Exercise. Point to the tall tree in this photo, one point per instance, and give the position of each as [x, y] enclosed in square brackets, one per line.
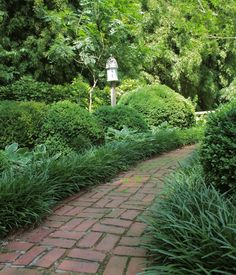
[191, 45]
[56, 40]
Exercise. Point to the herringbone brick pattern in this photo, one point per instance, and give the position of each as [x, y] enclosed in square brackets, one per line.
[97, 231]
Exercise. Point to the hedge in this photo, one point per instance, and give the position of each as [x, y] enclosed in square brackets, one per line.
[28, 89]
[218, 152]
[21, 122]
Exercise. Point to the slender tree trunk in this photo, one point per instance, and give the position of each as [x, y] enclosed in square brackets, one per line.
[91, 95]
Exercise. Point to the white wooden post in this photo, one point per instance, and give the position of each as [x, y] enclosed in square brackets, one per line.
[113, 94]
[112, 76]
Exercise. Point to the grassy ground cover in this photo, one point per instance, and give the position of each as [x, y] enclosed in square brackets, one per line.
[28, 192]
[191, 227]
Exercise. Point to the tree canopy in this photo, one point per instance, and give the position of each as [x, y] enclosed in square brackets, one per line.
[186, 45]
[192, 45]
[56, 40]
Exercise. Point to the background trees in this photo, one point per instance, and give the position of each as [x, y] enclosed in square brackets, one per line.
[56, 40]
[188, 46]
[192, 45]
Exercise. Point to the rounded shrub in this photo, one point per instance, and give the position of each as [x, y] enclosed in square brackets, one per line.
[21, 122]
[120, 116]
[218, 151]
[158, 104]
[69, 124]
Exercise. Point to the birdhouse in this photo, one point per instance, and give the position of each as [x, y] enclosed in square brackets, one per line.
[111, 67]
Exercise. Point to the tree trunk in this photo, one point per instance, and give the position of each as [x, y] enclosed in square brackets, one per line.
[91, 95]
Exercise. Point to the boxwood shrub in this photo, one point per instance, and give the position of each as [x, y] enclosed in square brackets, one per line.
[120, 116]
[218, 152]
[71, 125]
[158, 104]
[21, 122]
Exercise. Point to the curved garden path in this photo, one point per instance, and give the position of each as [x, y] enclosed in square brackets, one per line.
[94, 232]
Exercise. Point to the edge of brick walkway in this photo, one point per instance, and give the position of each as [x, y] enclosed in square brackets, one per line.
[96, 231]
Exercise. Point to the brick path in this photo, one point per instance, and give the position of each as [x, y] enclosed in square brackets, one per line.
[93, 232]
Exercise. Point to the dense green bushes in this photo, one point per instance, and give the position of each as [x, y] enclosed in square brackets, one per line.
[120, 116]
[158, 104]
[28, 89]
[63, 126]
[21, 122]
[69, 125]
[218, 152]
[192, 230]
[27, 194]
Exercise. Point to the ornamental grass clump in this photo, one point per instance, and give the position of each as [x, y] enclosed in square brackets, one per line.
[191, 228]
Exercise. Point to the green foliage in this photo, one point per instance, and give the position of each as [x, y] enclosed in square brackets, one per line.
[119, 116]
[121, 135]
[26, 196]
[191, 45]
[57, 144]
[128, 85]
[16, 159]
[228, 94]
[49, 42]
[53, 41]
[218, 152]
[27, 89]
[188, 46]
[67, 123]
[191, 227]
[21, 122]
[196, 132]
[158, 103]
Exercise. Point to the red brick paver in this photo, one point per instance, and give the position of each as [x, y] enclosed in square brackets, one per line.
[8, 257]
[50, 258]
[30, 255]
[116, 265]
[93, 232]
[90, 239]
[108, 242]
[136, 265]
[78, 266]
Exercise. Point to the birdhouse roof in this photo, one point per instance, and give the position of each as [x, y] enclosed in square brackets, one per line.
[111, 63]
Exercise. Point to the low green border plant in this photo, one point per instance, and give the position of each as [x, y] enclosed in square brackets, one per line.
[191, 227]
[27, 195]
